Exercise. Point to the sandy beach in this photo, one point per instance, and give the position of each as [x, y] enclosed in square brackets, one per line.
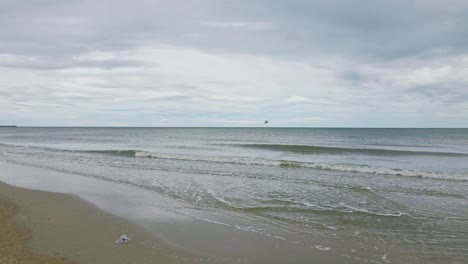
[76, 226]
[45, 227]
[15, 237]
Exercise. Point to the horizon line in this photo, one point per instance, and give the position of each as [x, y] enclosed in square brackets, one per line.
[318, 127]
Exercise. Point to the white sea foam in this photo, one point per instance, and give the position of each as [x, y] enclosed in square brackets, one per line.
[354, 209]
[298, 164]
[384, 258]
[323, 248]
[286, 164]
[312, 205]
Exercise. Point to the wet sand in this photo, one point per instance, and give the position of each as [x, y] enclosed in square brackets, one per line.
[83, 224]
[45, 227]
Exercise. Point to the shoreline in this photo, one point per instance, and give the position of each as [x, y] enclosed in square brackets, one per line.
[207, 194]
[163, 230]
[62, 228]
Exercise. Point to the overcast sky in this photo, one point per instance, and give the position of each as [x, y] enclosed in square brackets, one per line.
[395, 63]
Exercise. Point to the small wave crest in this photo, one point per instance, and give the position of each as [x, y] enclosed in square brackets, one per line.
[309, 149]
[287, 164]
[373, 170]
[126, 153]
[365, 211]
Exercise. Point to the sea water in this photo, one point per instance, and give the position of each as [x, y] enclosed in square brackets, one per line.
[396, 191]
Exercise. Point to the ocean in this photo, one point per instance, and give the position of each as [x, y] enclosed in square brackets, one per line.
[376, 195]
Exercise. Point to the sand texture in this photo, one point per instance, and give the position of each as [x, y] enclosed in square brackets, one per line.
[66, 229]
[14, 240]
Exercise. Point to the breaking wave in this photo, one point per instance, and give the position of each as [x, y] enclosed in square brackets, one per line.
[286, 164]
[307, 149]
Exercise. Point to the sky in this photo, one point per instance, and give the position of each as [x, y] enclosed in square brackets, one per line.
[296, 63]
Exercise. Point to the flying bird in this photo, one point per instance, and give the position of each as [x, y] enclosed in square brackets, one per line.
[266, 122]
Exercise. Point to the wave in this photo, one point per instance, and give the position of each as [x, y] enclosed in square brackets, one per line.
[342, 209]
[113, 152]
[308, 149]
[365, 211]
[290, 164]
[125, 153]
[286, 164]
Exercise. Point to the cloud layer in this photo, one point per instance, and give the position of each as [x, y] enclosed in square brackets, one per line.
[234, 63]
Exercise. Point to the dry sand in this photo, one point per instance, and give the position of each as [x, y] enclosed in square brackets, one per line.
[66, 229]
[14, 239]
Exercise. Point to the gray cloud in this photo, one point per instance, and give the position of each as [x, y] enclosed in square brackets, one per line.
[304, 62]
[47, 63]
[362, 29]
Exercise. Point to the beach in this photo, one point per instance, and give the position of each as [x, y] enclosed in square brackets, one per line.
[15, 237]
[68, 229]
[193, 195]
[46, 227]
[234, 132]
